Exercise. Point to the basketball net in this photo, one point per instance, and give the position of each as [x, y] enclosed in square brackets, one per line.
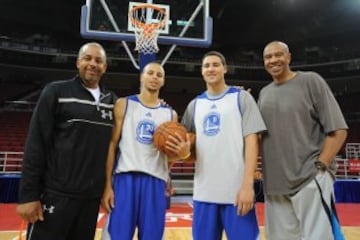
[146, 33]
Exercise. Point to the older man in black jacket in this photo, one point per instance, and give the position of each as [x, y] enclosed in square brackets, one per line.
[65, 153]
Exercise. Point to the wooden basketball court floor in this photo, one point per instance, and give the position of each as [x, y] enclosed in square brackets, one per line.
[178, 221]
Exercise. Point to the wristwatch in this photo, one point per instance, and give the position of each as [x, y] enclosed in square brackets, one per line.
[320, 165]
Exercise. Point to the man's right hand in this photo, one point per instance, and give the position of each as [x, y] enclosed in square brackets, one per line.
[31, 211]
[107, 200]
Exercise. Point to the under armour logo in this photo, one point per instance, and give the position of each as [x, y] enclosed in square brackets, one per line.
[105, 114]
[49, 209]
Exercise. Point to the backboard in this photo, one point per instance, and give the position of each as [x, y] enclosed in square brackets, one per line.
[188, 23]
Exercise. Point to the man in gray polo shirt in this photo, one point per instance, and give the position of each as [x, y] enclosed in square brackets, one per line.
[306, 129]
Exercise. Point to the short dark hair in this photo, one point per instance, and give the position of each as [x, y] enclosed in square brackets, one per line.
[83, 47]
[215, 53]
[153, 62]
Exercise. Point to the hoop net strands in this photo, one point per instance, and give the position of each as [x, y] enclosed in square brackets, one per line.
[147, 19]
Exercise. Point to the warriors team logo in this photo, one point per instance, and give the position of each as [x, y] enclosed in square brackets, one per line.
[211, 124]
[145, 131]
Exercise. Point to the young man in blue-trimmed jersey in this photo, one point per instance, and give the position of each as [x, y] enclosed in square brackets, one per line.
[64, 160]
[135, 189]
[226, 122]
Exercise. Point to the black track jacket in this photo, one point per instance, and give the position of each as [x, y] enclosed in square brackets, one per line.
[67, 143]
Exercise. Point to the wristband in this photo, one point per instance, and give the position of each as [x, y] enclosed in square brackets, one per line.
[186, 156]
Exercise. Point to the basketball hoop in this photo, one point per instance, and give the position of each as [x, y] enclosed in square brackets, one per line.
[147, 19]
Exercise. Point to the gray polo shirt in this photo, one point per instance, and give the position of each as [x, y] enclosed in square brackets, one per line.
[298, 114]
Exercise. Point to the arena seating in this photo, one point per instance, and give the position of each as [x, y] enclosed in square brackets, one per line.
[14, 90]
[14, 127]
[13, 131]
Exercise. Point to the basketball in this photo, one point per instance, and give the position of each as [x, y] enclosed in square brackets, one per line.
[162, 133]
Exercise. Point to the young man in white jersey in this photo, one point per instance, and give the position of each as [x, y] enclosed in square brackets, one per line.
[226, 122]
[306, 129]
[135, 188]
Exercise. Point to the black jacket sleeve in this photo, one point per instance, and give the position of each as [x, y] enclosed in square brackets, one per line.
[38, 146]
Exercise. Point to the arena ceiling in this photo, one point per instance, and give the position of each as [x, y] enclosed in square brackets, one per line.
[241, 27]
[248, 22]
[237, 23]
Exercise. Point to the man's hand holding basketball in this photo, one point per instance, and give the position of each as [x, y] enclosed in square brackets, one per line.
[179, 146]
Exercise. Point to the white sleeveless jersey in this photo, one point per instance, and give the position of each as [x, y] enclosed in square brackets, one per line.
[137, 150]
[219, 148]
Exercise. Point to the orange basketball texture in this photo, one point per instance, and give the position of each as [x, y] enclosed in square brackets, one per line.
[162, 133]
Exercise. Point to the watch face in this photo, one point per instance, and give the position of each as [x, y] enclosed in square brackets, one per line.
[320, 165]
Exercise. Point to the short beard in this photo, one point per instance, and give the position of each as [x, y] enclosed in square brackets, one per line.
[152, 90]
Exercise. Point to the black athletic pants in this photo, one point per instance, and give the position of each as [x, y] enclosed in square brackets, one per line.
[65, 219]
